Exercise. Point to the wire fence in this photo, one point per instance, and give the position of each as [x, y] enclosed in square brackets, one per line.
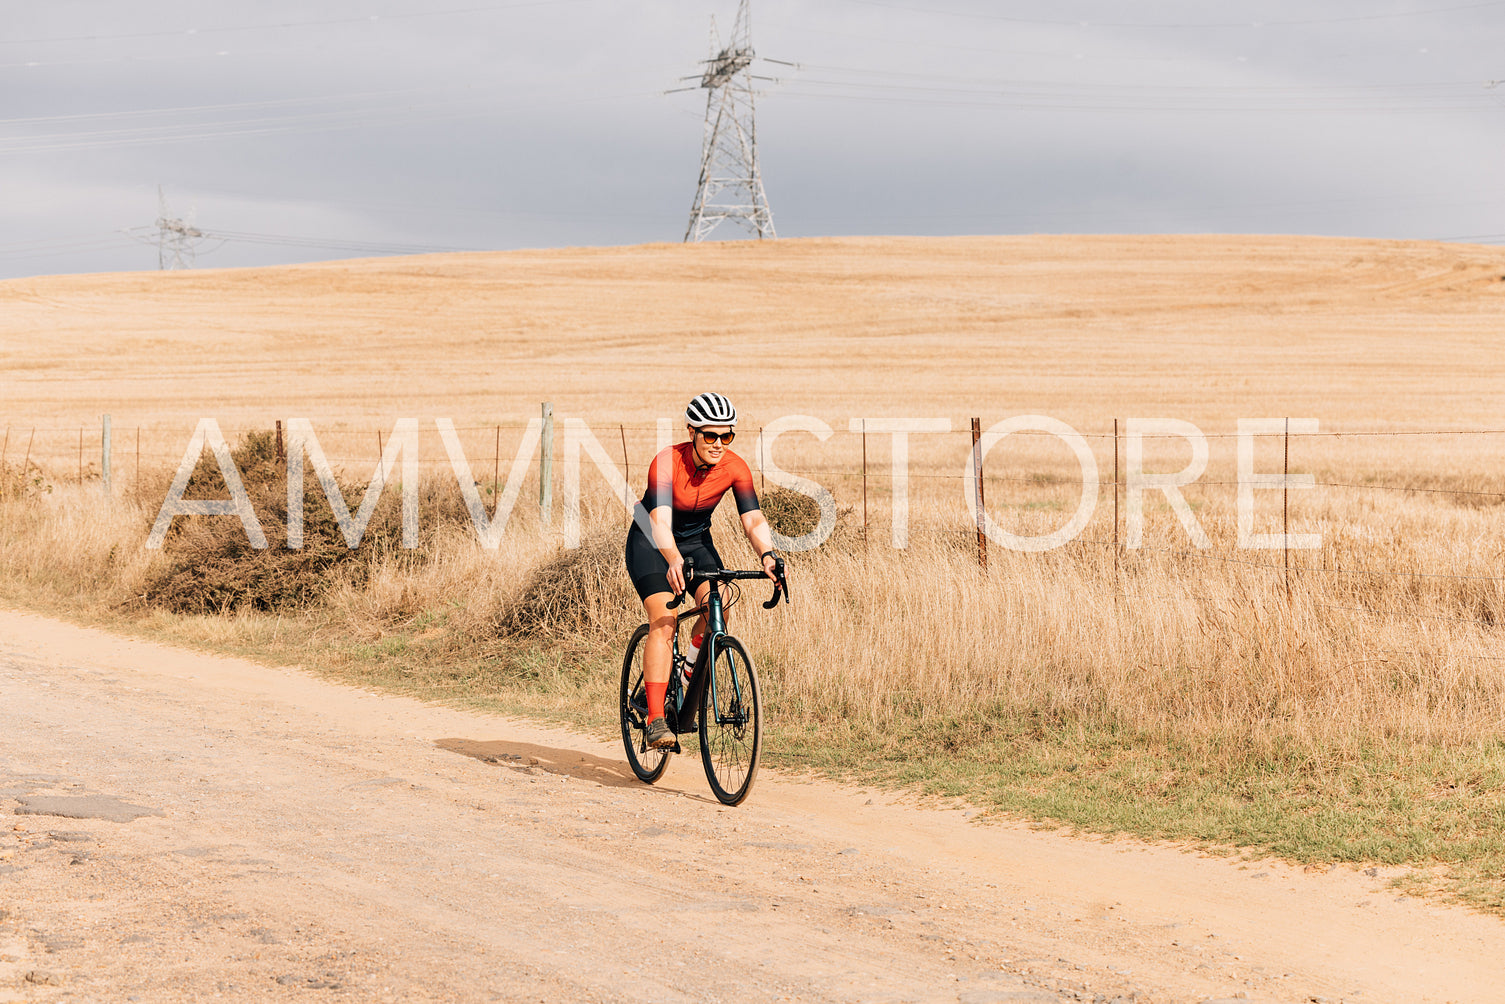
[944, 478]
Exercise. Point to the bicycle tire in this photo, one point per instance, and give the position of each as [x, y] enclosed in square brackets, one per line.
[731, 733]
[648, 764]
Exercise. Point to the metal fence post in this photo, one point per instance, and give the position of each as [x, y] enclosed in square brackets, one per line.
[626, 463]
[982, 538]
[762, 474]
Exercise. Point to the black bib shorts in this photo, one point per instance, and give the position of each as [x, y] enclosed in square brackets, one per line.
[648, 569]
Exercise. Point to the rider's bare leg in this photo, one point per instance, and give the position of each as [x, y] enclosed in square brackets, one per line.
[656, 646]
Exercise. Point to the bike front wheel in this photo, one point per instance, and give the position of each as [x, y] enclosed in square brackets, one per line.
[648, 764]
[731, 728]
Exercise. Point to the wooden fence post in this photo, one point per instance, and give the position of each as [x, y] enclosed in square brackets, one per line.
[1115, 506]
[104, 454]
[1285, 512]
[864, 482]
[546, 466]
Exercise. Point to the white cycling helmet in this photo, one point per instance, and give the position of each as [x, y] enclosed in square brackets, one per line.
[710, 409]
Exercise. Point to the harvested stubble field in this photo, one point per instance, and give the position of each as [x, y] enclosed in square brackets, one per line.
[1349, 711]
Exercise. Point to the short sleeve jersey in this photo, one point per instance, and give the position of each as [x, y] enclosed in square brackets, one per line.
[692, 493]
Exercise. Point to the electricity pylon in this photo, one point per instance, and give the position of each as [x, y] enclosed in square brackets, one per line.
[731, 188]
[177, 242]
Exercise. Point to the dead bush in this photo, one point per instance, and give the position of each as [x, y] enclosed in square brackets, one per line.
[795, 514]
[576, 591]
[209, 566]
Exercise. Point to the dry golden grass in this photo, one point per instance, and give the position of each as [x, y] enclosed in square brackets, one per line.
[1362, 334]
[1167, 690]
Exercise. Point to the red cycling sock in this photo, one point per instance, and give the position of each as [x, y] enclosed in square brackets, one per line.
[656, 693]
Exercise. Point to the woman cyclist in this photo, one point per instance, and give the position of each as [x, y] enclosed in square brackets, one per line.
[685, 483]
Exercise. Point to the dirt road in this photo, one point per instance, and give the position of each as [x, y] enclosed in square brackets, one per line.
[257, 834]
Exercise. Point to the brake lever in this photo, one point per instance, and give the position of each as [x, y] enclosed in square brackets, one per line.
[780, 585]
[689, 571]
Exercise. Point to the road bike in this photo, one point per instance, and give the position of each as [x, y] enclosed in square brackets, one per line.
[718, 696]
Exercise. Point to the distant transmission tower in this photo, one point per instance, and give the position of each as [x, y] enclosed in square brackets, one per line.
[731, 187]
[177, 242]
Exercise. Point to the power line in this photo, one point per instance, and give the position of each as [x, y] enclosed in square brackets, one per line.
[336, 244]
[223, 106]
[293, 122]
[277, 25]
[1083, 23]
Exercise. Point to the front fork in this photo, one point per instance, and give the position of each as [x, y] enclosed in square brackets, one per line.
[715, 630]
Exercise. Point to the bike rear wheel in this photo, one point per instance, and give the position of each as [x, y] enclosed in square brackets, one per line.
[731, 727]
[648, 764]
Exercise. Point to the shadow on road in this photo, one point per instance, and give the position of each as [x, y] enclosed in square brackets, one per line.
[570, 763]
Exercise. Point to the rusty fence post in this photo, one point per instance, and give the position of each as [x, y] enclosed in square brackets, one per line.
[626, 463]
[762, 474]
[281, 453]
[978, 497]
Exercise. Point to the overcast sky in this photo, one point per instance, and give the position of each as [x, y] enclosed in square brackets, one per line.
[334, 128]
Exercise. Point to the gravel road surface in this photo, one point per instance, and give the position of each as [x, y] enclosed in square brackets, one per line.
[183, 827]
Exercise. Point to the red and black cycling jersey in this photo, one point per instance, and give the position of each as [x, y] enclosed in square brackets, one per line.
[691, 492]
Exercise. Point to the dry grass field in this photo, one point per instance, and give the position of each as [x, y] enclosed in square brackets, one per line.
[1351, 710]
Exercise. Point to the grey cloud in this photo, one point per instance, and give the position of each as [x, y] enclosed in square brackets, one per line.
[545, 124]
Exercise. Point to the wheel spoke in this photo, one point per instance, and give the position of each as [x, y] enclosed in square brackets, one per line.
[729, 731]
[647, 764]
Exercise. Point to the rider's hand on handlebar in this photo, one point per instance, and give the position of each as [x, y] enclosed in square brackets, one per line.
[676, 575]
[771, 566]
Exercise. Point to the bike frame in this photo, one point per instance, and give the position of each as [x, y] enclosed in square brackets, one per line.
[715, 630]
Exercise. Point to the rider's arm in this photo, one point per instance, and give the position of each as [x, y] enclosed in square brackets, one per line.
[661, 521]
[754, 523]
[760, 536]
[660, 502]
